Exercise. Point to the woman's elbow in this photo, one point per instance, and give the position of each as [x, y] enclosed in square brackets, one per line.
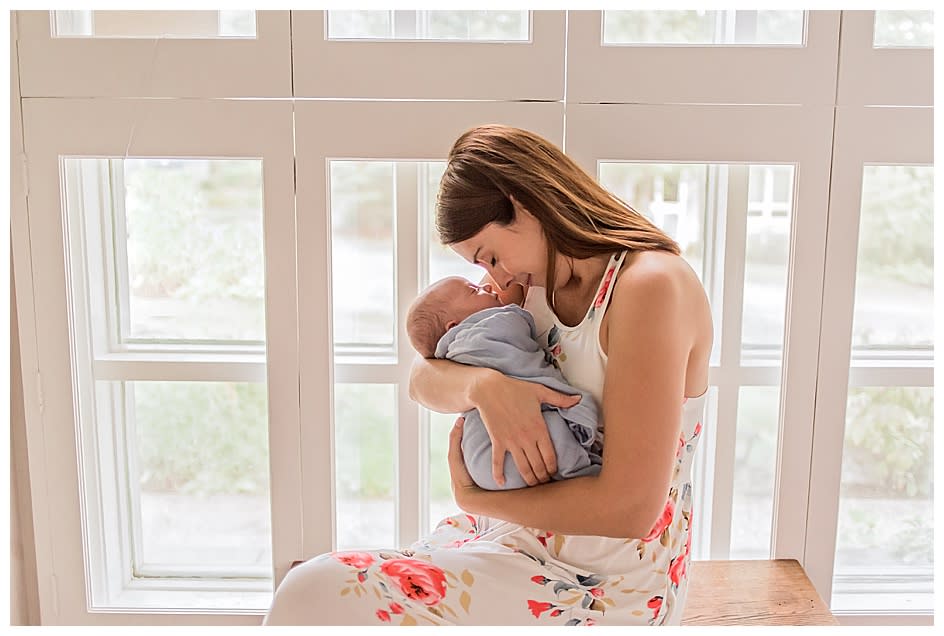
[636, 519]
[416, 370]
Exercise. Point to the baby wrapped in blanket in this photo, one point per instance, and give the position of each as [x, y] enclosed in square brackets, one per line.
[455, 319]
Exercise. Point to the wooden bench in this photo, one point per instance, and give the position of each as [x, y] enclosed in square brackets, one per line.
[774, 592]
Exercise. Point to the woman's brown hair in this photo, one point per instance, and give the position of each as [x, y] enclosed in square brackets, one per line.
[490, 164]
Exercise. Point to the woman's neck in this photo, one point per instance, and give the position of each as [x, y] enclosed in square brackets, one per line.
[576, 275]
[572, 299]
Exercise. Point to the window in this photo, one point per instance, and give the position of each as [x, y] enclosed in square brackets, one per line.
[885, 506]
[132, 24]
[876, 366]
[473, 26]
[166, 272]
[703, 27]
[904, 28]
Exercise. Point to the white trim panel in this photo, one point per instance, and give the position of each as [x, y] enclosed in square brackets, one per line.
[701, 74]
[155, 67]
[872, 76]
[390, 69]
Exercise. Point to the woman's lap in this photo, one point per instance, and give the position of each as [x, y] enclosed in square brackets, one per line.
[461, 575]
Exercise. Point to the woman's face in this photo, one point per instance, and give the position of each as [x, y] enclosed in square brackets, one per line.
[509, 253]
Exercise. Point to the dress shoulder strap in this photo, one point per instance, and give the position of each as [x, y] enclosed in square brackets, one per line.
[602, 298]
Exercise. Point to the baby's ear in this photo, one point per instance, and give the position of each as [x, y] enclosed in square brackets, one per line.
[451, 324]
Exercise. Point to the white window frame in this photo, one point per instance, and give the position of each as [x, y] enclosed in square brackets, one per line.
[864, 136]
[678, 74]
[799, 135]
[432, 69]
[68, 554]
[870, 75]
[155, 67]
[414, 131]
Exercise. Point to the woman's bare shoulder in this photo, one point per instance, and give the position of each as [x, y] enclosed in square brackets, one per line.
[653, 272]
[653, 267]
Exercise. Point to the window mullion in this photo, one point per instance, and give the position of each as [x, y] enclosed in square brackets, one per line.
[179, 369]
[115, 227]
[407, 285]
[733, 186]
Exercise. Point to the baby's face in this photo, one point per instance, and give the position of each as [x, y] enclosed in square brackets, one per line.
[463, 298]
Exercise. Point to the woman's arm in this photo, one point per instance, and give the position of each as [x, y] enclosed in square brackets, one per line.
[445, 386]
[650, 338]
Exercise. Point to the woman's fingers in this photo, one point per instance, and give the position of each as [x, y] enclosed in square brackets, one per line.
[498, 464]
[523, 464]
[461, 478]
[561, 400]
[548, 454]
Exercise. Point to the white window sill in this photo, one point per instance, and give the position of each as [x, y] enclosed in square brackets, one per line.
[216, 597]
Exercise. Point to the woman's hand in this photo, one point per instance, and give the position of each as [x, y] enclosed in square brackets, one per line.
[462, 482]
[511, 412]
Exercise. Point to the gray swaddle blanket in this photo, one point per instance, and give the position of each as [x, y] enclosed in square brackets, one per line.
[504, 339]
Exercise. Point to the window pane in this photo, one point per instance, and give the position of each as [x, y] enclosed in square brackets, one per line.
[365, 433]
[441, 502]
[429, 25]
[201, 458]
[362, 255]
[904, 28]
[673, 196]
[441, 260]
[703, 27]
[769, 206]
[894, 290]
[195, 261]
[152, 24]
[754, 469]
[885, 508]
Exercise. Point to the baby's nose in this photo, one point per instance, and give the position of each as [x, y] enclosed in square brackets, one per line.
[486, 288]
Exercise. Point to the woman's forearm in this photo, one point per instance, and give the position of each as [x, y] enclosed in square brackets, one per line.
[577, 506]
[445, 386]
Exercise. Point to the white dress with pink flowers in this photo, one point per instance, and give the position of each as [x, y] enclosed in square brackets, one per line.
[474, 570]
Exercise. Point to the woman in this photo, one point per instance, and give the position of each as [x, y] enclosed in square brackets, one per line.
[627, 320]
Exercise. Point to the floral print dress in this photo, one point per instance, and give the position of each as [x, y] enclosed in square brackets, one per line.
[474, 570]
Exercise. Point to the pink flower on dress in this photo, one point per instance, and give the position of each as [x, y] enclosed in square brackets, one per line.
[418, 580]
[597, 592]
[655, 604]
[544, 537]
[697, 429]
[359, 560]
[662, 522]
[679, 565]
[606, 285]
[678, 453]
[677, 569]
[396, 608]
[540, 579]
[384, 616]
[538, 608]
[591, 622]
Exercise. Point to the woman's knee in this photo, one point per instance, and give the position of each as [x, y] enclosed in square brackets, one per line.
[297, 599]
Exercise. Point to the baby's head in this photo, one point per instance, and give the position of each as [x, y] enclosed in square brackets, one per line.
[442, 306]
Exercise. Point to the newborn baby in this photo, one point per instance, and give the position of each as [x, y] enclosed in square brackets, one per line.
[455, 319]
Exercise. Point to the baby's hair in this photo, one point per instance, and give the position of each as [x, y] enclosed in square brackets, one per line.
[425, 325]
